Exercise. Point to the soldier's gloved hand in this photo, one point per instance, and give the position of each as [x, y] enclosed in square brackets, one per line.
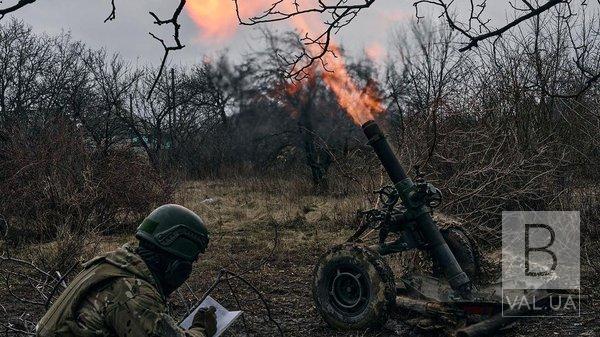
[206, 318]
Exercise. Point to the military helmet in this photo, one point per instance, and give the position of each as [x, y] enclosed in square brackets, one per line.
[176, 230]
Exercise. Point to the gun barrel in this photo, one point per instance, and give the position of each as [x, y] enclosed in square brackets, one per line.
[425, 223]
[384, 152]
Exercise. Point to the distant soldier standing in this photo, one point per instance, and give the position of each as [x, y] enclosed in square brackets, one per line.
[124, 292]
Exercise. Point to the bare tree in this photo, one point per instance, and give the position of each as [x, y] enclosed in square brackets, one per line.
[220, 83]
[26, 61]
[110, 81]
[173, 21]
[427, 82]
[475, 28]
[502, 141]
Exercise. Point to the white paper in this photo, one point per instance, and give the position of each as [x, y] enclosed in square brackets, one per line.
[224, 316]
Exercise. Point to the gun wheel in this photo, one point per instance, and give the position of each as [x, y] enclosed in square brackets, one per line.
[464, 249]
[353, 288]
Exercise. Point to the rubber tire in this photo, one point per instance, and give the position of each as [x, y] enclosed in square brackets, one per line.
[380, 281]
[464, 250]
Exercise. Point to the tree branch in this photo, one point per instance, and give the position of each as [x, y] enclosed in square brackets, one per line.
[167, 49]
[15, 7]
[113, 12]
[317, 45]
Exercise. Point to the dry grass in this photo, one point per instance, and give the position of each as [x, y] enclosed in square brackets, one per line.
[273, 231]
[244, 214]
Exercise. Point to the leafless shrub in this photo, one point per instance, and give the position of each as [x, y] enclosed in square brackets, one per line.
[484, 172]
[54, 180]
[27, 289]
[490, 137]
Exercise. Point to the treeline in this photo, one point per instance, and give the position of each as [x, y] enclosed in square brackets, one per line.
[83, 141]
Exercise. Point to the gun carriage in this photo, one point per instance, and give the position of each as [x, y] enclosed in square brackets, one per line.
[353, 285]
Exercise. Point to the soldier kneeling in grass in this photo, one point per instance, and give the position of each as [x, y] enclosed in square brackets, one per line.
[124, 292]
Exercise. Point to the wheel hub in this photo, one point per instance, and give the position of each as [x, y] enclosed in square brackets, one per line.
[348, 290]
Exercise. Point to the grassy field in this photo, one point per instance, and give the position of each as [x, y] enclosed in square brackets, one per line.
[272, 232]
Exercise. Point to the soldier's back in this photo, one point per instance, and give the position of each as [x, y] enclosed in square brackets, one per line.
[114, 285]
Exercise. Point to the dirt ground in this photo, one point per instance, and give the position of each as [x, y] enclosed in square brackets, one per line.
[273, 234]
[245, 216]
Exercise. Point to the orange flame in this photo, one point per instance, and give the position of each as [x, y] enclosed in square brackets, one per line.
[217, 20]
[298, 94]
[361, 105]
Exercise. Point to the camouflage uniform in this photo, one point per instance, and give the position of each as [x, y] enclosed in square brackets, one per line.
[114, 295]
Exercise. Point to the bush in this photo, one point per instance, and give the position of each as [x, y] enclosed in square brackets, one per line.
[52, 180]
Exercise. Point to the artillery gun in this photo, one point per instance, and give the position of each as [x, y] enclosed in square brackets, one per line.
[354, 288]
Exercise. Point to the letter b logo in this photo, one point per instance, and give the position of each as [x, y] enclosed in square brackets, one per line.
[540, 250]
[544, 249]
[540, 253]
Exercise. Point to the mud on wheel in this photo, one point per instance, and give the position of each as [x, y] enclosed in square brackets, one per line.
[353, 288]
